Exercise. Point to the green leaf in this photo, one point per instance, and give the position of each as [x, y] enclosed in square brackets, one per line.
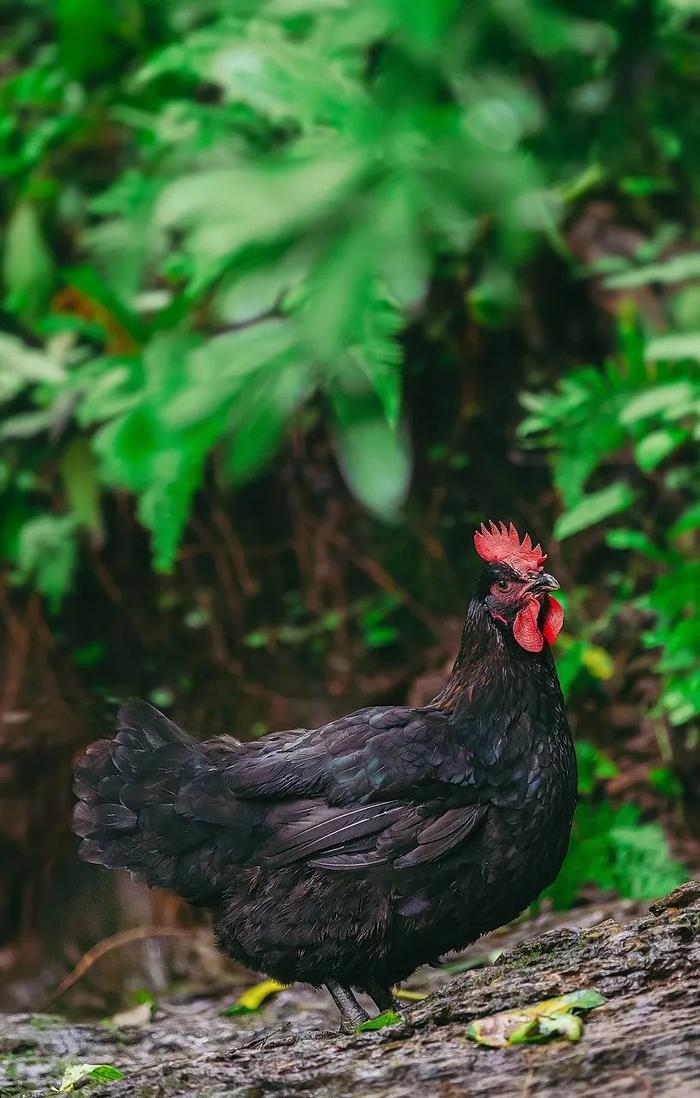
[684, 306]
[26, 424]
[277, 75]
[225, 210]
[569, 1026]
[635, 540]
[379, 356]
[20, 366]
[654, 447]
[104, 1073]
[675, 398]
[593, 508]
[586, 999]
[89, 655]
[220, 372]
[346, 318]
[255, 440]
[689, 520]
[245, 296]
[465, 966]
[676, 269]
[673, 347]
[47, 555]
[260, 412]
[569, 663]
[379, 636]
[164, 505]
[126, 446]
[76, 1074]
[403, 256]
[108, 388]
[644, 185]
[593, 766]
[84, 35]
[388, 1018]
[664, 781]
[376, 463]
[28, 268]
[162, 461]
[79, 471]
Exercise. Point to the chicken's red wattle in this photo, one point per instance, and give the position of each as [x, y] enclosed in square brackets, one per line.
[554, 619]
[526, 627]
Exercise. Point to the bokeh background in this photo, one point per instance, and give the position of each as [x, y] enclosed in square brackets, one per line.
[294, 294]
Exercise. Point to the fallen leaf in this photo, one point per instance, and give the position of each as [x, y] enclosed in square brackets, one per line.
[464, 966]
[408, 995]
[388, 1018]
[76, 1074]
[134, 1016]
[253, 998]
[550, 1018]
[561, 1025]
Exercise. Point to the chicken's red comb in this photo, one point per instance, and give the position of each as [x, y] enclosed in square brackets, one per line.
[503, 546]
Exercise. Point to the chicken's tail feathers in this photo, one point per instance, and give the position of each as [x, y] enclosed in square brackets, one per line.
[149, 724]
[126, 789]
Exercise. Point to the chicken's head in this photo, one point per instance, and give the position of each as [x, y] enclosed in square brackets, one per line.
[516, 589]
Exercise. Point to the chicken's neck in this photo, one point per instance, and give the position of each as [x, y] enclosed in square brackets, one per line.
[489, 664]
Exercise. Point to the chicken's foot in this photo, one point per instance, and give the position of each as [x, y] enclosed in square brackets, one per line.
[350, 1010]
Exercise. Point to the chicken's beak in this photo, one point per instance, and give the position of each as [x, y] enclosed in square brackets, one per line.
[544, 583]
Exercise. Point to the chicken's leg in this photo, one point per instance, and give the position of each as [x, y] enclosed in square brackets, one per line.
[350, 1010]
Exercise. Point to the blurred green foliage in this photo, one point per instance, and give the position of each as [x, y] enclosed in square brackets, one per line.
[610, 846]
[220, 216]
[633, 427]
[612, 849]
[215, 210]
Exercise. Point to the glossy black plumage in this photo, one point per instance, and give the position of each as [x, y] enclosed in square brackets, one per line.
[356, 851]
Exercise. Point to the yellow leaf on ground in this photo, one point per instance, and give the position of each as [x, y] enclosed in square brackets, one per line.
[408, 995]
[550, 1018]
[254, 997]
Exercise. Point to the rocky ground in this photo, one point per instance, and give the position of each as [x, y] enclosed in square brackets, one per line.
[644, 1041]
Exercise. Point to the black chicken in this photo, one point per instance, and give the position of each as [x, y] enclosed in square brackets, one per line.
[351, 854]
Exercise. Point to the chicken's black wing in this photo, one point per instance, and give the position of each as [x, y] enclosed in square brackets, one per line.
[382, 786]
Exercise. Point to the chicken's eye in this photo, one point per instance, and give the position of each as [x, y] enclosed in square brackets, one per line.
[502, 585]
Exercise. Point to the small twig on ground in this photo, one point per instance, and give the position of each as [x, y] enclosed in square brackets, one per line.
[115, 941]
